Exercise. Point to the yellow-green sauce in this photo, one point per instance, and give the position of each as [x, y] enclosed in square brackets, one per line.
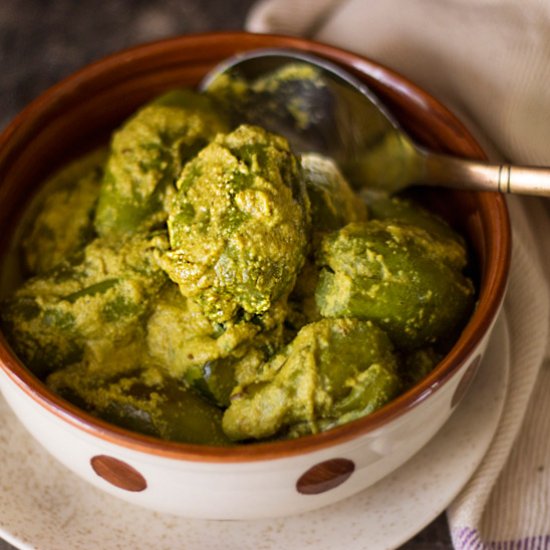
[200, 282]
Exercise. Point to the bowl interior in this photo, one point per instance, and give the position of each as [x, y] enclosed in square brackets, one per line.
[81, 112]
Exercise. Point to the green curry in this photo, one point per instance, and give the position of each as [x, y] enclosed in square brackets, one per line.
[200, 282]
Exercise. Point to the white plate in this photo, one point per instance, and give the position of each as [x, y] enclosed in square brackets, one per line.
[44, 505]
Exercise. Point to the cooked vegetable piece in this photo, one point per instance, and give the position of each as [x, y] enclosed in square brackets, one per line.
[50, 235]
[206, 355]
[96, 297]
[142, 401]
[214, 381]
[402, 210]
[398, 275]
[238, 226]
[333, 368]
[146, 157]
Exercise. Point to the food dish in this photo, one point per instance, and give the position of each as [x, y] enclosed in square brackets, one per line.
[70, 513]
[252, 481]
[203, 283]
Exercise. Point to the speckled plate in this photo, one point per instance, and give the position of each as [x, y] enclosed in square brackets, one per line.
[44, 505]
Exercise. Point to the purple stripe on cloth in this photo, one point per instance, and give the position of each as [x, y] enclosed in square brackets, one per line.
[466, 538]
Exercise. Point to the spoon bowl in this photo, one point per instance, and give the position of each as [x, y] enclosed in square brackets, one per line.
[321, 107]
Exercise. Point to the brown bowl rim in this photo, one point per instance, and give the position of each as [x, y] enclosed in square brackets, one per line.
[473, 334]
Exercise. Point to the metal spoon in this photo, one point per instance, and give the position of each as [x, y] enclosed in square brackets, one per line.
[320, 107]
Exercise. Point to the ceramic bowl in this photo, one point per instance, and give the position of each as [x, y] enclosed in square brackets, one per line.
[263, 480]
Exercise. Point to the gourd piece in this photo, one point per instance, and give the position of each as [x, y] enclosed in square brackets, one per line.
[334, 369]
[333, 202]
[142, 401]
[400, 276]
[96, 297]
[147, 154]
[406, 211]
[188, 347]
[238, 225]
[49, 234]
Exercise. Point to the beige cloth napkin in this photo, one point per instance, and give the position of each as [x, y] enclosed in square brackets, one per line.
[489, 61]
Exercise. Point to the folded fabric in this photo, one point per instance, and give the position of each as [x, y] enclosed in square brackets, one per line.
[489, 61]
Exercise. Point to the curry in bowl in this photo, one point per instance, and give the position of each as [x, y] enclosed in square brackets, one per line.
[200, 282]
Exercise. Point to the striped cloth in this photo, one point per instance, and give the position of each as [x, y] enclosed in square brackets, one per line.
[489, 61]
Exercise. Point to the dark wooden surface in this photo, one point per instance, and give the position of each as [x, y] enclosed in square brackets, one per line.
[41, 41]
